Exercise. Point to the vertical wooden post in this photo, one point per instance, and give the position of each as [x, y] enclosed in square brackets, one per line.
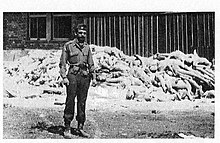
[98, 31]
[187, 43]
[178, 32]
[37, 31]
[131, 36]
[94, 30]
[192, 31]
[209, 32]
[174, 35]
[182, 34]
[157, 34]
[166, 32]
[110, 33]
[170, 35]
[139, 36]
[147, 37]
[198, 34]
[125, 36]
[115, 45]
[48, 26]
[204, 29]
[128, 39]
[90, 30]
[134, 34]
[101, 19]
[120, 35]
[152, 36]
[209, 36]
[142, 37]
[105, 30]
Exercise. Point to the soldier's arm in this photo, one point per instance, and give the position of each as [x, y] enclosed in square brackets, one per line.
[91, 65]
[63, 62]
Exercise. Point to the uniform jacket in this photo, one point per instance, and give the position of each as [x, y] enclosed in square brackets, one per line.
[72, 53]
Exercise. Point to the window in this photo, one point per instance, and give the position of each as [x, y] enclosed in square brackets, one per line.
[50, 26]
[37, 27]
[61, 27]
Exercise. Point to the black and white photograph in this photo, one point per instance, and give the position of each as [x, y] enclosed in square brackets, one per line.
[109, 74]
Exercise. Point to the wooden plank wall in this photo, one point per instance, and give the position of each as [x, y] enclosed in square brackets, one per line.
[148, 33]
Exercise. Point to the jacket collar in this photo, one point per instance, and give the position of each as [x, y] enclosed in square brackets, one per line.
[76, 42]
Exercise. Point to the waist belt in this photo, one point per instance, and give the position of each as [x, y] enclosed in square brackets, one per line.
[79, 68]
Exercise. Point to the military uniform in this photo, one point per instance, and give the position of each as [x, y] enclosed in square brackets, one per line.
[81, 66]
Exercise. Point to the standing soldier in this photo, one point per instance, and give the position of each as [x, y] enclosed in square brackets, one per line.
[77, 55]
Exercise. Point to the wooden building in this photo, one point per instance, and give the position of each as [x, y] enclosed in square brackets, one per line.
[140, 33]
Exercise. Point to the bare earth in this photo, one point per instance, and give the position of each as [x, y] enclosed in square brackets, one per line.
[108, 116]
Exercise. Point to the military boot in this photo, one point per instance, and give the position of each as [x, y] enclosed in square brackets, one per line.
[82, 132]
[67, 132]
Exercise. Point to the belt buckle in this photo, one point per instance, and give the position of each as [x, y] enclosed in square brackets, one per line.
[74, 69]
[84, 73]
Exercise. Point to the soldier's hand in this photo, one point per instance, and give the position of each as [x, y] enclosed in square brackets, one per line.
[94, 82]
[66, 81]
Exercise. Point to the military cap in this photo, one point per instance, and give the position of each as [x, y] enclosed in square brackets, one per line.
[81, 27]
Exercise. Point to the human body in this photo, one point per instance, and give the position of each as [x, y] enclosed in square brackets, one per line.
[78, 56]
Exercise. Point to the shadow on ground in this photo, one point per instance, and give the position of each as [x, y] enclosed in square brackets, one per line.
[42, 126]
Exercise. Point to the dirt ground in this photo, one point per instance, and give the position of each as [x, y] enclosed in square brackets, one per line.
[109, 117]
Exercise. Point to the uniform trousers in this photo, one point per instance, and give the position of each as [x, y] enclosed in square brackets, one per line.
[78, 87]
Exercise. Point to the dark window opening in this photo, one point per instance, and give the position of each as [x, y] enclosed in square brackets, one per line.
[62, 27]
[38, 27]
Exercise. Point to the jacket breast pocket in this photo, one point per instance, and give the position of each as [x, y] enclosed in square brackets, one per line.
[73, 57]
[85, 57]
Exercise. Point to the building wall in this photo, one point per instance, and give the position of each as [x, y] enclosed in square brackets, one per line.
[133, 33]
[14, 30]
[16, 33]
[146, 34]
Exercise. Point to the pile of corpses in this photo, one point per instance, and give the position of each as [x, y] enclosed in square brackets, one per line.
[161, 77]
[38, 67]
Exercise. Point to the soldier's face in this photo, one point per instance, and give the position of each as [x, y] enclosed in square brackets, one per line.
[81, 35]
